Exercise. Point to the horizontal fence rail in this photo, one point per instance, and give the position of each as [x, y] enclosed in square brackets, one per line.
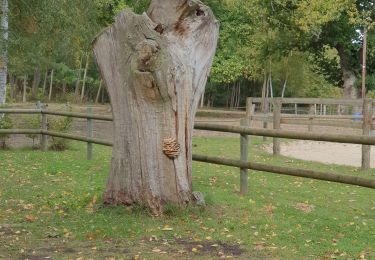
[77, 138]
[77, 115]
[352, 180]
[337, 138]
[312, 101]
[20, 131]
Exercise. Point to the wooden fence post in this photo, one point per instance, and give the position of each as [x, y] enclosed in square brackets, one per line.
[44, 139]
[366, 128]
[44, 126]
[296, 109]
[311, 118]
[244, 143]
[265, 114]
[89, 135]
[277, 103]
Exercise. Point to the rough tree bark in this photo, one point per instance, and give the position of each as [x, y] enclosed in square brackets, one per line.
[155, 67]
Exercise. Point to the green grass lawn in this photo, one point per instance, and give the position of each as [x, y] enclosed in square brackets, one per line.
[50, 206]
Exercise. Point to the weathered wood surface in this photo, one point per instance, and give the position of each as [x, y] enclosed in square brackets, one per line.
[346, 179]
[277, 103]
[89, 134]
[338, 138]
[244, 150]
[312, 101]
[155, 67]
[368, 110]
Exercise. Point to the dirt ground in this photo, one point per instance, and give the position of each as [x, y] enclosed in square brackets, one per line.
[325, 152]
[344, 154]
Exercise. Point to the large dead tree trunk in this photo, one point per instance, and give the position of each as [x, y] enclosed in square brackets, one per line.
[155, 67]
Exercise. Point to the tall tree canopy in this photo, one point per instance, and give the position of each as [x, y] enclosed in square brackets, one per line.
[294, 47]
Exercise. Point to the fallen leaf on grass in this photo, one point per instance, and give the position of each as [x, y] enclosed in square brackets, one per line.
[167, 228]
[259, 245]
[30, 218]
[269, 209]
[305, 208]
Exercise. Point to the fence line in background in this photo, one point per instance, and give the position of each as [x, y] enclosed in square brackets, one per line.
[366, 124]
[244, 130]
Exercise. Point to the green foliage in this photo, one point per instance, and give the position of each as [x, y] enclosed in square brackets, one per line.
[371, 94]
[323, 35]
[321, 89]
[370, 82]
[5, 123]
[32, 122]
[61, 125]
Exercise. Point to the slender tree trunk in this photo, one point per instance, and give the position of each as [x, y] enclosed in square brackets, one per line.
[24, 89]
[270, 85]
[99, 90]
[35, 84]
[103, 91]
[155, 67]
[45, 82]
[50, 87]
[202, 100]
[239, 94]
[76, 91]
[3, 51]
[264, 93]
[84, 77]
[11, 85]
[64, 87]
[232, 95]
[229, 95]
[284, 87]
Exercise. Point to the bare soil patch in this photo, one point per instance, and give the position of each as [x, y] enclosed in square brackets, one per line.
[325, 152]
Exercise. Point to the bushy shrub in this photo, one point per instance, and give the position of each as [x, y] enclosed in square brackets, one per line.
[61, 125]
[370, 94]
[5, 123]
[33, 122]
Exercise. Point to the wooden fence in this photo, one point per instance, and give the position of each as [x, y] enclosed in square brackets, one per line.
[361, 120]
[244, 130]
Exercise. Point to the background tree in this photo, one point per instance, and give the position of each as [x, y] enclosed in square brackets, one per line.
[3, 50]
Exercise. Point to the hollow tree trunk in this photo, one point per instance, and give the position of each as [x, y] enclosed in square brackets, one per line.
[155, 67]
